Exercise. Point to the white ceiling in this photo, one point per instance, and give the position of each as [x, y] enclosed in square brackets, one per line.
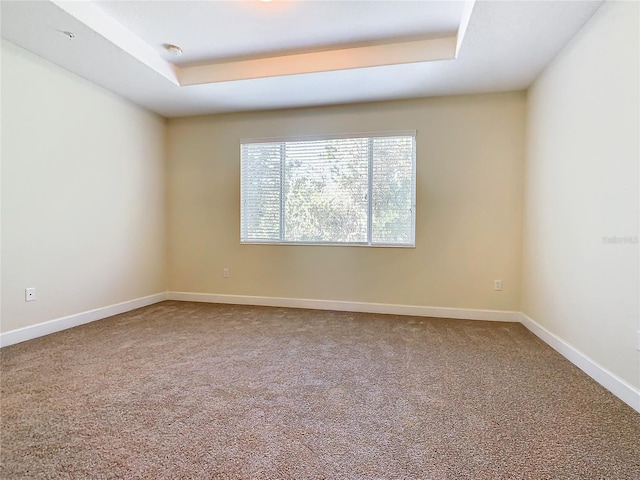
[218, 30]
[250, 55]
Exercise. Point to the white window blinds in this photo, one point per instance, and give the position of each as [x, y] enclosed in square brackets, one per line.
[357, 190]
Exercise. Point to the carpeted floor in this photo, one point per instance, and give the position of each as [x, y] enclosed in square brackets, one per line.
[187, 390]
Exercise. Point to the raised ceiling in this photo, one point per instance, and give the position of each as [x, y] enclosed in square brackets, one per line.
[221, 30]
[252, 55]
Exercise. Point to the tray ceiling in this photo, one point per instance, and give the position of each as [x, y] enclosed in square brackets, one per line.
[252, 55]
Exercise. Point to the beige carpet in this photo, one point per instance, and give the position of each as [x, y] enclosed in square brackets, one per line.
[187, 390]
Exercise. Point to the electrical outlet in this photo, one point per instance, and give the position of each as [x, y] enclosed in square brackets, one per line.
[29, 294]
[497, 285]
[225, 272]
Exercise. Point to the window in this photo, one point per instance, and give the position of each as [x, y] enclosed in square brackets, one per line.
[343, 190]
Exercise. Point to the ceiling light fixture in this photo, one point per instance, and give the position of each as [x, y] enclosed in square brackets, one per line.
[173, 49]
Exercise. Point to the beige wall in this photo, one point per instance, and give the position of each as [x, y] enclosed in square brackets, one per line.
[470, 153]
[582, 185]
[83, 200]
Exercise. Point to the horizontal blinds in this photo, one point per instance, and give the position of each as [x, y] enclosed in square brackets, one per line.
[260, 192]
[392, 190]
[356, 190]
[312, 138]
[326, 191]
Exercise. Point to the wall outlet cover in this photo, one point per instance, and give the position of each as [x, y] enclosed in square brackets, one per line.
[29, 294]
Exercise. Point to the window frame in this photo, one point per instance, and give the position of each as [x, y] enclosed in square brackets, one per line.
[310, 138]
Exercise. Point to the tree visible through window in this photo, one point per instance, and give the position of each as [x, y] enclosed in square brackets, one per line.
[344, 190]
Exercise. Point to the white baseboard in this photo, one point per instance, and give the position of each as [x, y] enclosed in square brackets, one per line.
[58, 324]
[364, 307]
[620, 388]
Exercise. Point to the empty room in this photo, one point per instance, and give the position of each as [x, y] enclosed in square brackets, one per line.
[320, 239]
